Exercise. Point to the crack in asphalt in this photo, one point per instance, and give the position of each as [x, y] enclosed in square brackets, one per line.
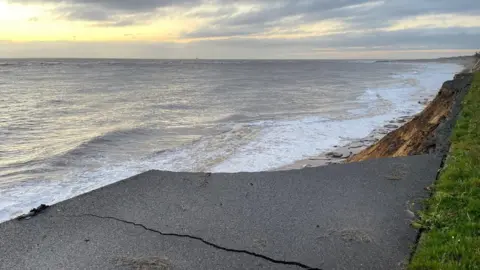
[205, 242]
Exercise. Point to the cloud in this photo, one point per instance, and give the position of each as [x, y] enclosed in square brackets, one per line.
[109, 12]
[117, 23]
[127, 6]
[82, 13]
[411, 38]
[231, 15]
[320, 10]
[280, 18]
[266, 17]
[263, 28]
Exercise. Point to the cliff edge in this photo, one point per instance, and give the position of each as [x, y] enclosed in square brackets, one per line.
[476, 66]
[429, 131]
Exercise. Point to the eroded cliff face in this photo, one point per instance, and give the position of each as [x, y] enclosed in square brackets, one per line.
[476, 66]
[429, 131]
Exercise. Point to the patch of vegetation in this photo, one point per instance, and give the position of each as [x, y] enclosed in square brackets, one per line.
[451, 222]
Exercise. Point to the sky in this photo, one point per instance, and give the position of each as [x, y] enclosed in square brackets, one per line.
[239, 29]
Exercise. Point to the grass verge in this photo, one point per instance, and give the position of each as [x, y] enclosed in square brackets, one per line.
[451, 221]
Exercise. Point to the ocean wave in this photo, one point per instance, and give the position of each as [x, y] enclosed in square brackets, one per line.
[207, 151]
[76, 151]
[283, 142]
[111, 137]
[370, 95]
[214, 62]
[410, 87]
[363, 61]
[172, 106]
[32, 63]
[12, 172]
[55, 102]
[50, 63]
[234, 118]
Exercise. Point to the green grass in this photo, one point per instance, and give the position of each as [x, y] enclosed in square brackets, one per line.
[451, 222]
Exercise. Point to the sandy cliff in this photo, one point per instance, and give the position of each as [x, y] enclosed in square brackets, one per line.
[476, 66]
[428, 131]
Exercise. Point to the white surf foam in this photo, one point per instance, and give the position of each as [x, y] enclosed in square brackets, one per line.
[284, 142]
[402, 98]
[198, 156]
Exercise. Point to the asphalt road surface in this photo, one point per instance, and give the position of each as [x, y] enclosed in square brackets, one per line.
[345, 216]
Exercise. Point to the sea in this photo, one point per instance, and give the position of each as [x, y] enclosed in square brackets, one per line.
[68, 126]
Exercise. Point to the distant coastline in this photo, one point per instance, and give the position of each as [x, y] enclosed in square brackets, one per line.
[466, 61]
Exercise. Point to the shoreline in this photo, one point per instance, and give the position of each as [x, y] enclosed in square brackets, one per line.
[341, 153]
